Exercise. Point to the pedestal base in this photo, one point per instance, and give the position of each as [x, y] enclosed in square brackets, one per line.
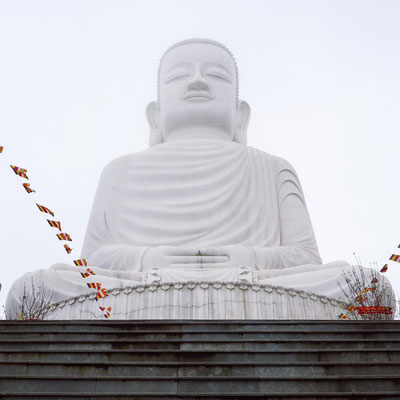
[200, 300]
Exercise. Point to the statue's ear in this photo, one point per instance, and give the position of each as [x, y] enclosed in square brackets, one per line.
[242, 121]
[153, 118]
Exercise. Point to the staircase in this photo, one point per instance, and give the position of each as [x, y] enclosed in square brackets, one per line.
[199, 360]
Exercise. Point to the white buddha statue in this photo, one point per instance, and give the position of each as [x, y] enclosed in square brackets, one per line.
[199, 204]
[199, 196]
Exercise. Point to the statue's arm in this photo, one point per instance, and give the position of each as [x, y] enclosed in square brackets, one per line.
[297, 241]
[117, 257]
[102, 245]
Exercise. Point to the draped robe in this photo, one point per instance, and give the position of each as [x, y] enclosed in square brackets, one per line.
[199, 193]
[196, 193]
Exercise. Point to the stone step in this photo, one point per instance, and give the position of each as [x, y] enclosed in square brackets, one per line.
[222, 335]
[360, 395]
[162, 384]
[199, 325]
[100, 369]
[76, 343]
[299, 355]
[200, 359]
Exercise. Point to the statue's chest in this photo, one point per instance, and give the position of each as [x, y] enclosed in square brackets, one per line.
[235, 200]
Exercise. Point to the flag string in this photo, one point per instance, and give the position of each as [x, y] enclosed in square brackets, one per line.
[22, 173]
[393, 258]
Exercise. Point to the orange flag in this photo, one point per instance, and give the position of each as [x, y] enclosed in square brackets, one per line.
[64, 236]
[67, 248]
[101, 293]
[94, 285]
[87, 273]
[107, 314]
[20, 171]
[27, 188]
[45, 210]
[55, 224]
[80, 263]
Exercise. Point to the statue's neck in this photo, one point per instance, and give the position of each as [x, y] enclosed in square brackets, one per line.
[198, 133]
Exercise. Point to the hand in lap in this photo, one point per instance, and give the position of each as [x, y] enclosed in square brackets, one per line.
[233, 256]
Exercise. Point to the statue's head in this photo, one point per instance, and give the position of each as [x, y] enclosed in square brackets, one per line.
[198, 95]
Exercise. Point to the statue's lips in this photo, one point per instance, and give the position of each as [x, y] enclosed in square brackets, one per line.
[197, 97]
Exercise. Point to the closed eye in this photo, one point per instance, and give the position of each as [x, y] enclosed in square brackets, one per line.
[176, 76]
[219, 76]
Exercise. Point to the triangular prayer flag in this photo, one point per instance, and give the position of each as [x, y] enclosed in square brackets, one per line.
[67, 248]
[27, 188]
[94, 285]
[64, 236]
[20, 171]
[384, 268]
[101, 293]
[1, 149]
[107, 314]
[55, 224]
[87, 273]
[45, 210]
[80, 263]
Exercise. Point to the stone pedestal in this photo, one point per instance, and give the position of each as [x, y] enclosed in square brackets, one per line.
[200, 300]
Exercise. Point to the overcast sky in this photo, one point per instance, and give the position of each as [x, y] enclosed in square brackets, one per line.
[321, 78]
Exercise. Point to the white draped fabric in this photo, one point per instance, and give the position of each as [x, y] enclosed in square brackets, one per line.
[200, 193]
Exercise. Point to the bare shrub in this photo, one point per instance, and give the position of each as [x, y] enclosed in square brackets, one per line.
[366, 291]
[34, 304]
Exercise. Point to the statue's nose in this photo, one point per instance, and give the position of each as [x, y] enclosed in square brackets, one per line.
[197, 82]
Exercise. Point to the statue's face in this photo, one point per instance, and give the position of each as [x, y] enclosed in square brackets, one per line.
[197, 93]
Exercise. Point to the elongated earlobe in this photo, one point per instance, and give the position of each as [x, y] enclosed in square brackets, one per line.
[153, 119]
[242, 122]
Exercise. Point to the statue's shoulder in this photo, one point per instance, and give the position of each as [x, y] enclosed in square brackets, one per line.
[273, 162]
[117, 166]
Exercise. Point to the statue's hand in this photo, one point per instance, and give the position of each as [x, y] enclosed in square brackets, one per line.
[180, 257]
[237, 256]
